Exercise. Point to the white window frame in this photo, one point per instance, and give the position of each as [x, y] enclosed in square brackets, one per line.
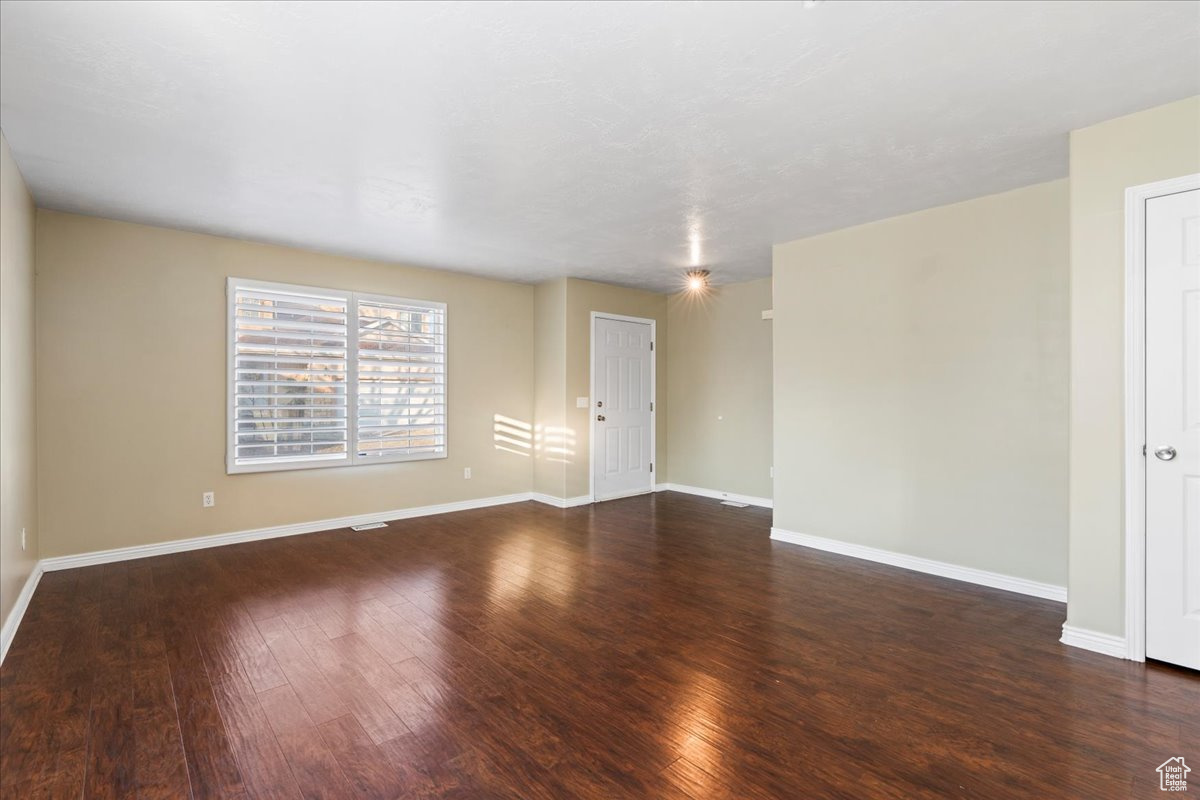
[351, 457]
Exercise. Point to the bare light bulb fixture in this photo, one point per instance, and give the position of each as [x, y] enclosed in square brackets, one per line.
[697, 280]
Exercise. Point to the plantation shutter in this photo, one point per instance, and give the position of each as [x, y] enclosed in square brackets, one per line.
[401, 379]
[289, 387]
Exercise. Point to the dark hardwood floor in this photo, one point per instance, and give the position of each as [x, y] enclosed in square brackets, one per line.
[655, 647]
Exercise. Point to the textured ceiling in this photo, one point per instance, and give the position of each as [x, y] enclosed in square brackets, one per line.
[620, 142]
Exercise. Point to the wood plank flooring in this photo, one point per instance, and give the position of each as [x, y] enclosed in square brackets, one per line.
[654, 647]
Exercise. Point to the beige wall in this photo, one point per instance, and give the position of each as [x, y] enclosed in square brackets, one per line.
[921, 384]
[552, 449]
[719, 376]
[1106, 159]
[516, 351]
[582, 298]
[131, 325]
[18, 454]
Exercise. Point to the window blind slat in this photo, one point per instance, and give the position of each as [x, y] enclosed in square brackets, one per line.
[264, 326]
[307, 375]
[261, 350]
[263, 425]
[259, 406]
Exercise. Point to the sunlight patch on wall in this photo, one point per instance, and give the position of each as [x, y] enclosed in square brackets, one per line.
[555, 443]
[512, 435]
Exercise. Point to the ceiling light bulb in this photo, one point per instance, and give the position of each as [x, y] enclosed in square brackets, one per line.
[697, 279]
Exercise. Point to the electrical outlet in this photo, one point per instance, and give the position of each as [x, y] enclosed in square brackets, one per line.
[772, 472]
[22, 538]
[209, 499]
[466, 473]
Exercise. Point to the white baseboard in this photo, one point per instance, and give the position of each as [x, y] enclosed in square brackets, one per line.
[761, 502]
[221, 539]
[17, 613]
[1103, 643]
[995, 580]
[559, 502]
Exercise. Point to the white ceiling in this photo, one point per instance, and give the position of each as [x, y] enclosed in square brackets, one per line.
[616, 141]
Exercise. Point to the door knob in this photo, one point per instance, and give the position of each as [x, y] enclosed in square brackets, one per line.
[1165, 453]
[600, 418]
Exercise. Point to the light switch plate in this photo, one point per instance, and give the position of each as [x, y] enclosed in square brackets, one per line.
[581, 402]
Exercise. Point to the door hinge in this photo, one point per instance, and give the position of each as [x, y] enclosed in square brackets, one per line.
[652, 466]
[1143, 451]
[652, 345]
[651, 405]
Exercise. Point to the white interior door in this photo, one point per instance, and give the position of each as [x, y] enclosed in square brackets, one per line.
[1173, 428]
[622, 408]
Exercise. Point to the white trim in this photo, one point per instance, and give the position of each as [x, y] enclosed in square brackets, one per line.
[221, 539]
[995, 580]
[592, 398]
[761, 502]
[558, 502]
[623, 495]
[1105, 643]
[17, 613]
[1134, 640]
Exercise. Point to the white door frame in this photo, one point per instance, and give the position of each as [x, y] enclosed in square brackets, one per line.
[592, 394]
[1135, 404]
